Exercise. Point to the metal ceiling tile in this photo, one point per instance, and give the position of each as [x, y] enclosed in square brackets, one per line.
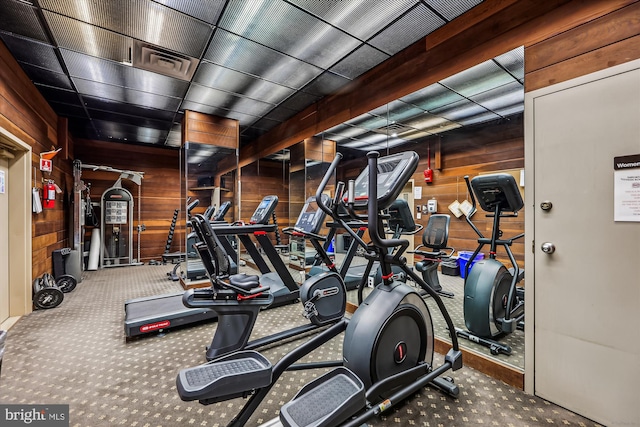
[113, 73]
[205, 10]
[510, 110]
[513, 61]
[400, 111]
[480, 78]
[217, 77]
[124, 132]
[411, 27]
[359, 61]
[45, 77]
[214, 97]
[117, 93]
[128, 109]
[82, 128]
[479, 118]
[451, 9]
[59, 95]
[66, 110]
[265, 124]
[459, 110]
[361, 18]
[174, 139]
[299, 101]
[280, 114]
[109, 116]
[501, 97]
[431, 123]
[432, 97]
[82, 37]
[32, 52]
[390, 143]
[368, 121]
[326, 84]
[243, 118]
[346, 131]
[283, 27]
[237, 53]
[141, 19]
[21, 18]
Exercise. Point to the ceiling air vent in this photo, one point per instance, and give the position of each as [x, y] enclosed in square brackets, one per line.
[153, 58]
[393, 129]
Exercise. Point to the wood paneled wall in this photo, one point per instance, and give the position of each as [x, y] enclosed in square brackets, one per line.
[159, 192]
[25, 114]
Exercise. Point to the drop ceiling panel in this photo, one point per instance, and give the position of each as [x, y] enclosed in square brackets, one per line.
[361, 19]
[113, 73]
[46, 77]
[368, 121]
[513, 62]
[501, 97]
[109, 116]
[91, 40]
[481, 78]
[217, 77]
[118, 93]
[280, 114]
[417, 23]
[84, 128]
[214, 97]
[479, 118]
[124, 132]
[287, 29]
[244, 119]
[141, 19]
[359, 61]
[66, 110]
[459, 110]
[237, 53]
[450, 9]
[21, 18]
[128, 109]
[32, 52]
[432, 97]
[60, 95]
[325, 84]
[205, 10]
[299, 101]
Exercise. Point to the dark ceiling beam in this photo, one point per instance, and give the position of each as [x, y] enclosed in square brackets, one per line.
[489, 29]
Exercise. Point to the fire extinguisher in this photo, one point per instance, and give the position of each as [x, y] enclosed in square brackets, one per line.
[428, 172]
[49, 196]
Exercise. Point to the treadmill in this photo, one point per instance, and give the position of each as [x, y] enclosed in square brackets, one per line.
[160, 312]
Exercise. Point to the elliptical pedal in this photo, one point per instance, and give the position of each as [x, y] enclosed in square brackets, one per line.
[329, 399]
[236, 375]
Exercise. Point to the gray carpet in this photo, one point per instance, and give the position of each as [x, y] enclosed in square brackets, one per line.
[77, 354]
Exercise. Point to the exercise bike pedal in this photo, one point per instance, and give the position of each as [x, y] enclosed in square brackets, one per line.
[328, 400]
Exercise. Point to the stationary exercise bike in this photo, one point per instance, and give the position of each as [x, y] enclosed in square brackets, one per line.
[493, 301]
[388, 342]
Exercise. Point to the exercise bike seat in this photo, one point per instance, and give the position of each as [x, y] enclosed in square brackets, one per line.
[245, 282]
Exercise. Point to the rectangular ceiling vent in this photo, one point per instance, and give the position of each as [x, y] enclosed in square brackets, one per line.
[393, 129]
[153, 58]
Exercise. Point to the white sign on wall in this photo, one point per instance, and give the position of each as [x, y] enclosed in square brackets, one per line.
[626, 188]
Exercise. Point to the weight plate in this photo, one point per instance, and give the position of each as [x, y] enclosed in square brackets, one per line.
[66, 283]
[48, 298]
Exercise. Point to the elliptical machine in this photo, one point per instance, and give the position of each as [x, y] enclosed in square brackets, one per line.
[388, 343]
[493, 303]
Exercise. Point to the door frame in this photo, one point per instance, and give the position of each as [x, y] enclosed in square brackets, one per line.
[18, 184]
[529, 160]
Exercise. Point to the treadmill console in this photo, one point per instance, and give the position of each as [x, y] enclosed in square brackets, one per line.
[312, 217]
[393, 173]
[265, 209]
[498, 189]
[224, 208]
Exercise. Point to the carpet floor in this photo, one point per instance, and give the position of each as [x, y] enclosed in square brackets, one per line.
[77, 354]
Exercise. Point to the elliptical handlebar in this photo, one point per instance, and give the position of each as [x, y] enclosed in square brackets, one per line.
[324, 182]
[374, 233]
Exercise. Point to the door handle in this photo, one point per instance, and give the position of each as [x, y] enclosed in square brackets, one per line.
[548, 248]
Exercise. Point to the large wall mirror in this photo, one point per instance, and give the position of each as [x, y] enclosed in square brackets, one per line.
[467, 124]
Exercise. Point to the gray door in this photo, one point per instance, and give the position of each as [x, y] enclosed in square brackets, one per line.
[587, 293]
